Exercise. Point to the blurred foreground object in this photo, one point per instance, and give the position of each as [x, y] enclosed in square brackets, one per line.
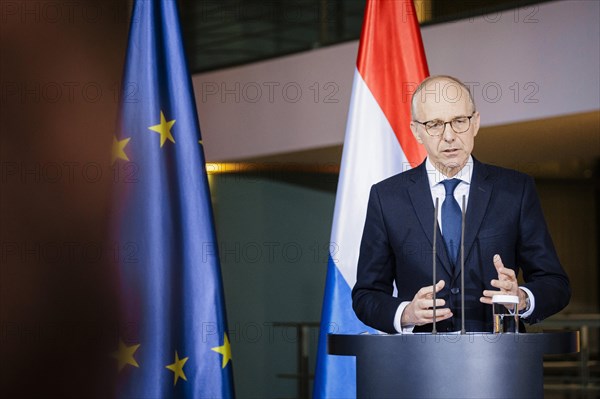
[60, 62]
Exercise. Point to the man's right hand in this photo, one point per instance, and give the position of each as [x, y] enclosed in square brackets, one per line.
[420, 309]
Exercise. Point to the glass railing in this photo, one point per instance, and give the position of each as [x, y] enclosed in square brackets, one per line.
[576, 375]
[224, 33]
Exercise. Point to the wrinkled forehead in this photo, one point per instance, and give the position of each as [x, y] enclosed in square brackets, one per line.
[442, 98]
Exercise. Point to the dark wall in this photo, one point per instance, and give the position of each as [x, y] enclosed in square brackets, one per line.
[571, 210]
[273, 231]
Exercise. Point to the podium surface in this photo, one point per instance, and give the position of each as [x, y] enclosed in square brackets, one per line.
[474, 365]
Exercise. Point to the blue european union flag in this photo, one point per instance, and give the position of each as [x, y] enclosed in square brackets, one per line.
[173, 342]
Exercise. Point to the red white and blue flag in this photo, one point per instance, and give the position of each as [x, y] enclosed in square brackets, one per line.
[378, 144]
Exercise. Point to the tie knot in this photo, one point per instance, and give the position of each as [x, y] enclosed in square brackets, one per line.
[450, 185]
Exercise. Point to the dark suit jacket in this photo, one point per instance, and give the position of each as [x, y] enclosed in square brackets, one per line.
[503, 216]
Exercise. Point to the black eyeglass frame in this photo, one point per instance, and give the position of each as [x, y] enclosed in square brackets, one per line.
[445, 123]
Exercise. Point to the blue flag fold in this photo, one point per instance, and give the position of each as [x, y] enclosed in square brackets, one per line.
[173, 340]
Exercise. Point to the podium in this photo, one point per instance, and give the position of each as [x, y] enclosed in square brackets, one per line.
[474, 365]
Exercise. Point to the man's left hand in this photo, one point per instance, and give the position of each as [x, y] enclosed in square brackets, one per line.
[506, 283]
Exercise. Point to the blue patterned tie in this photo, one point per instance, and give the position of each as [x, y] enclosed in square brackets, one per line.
[451, 219]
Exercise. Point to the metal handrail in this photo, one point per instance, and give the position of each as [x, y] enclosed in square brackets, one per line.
[586, 381]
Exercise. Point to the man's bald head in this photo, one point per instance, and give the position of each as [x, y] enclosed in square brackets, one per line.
[437, 86]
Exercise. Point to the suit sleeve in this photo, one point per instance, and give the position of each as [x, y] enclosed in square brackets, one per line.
[536, 255]
[372, 296]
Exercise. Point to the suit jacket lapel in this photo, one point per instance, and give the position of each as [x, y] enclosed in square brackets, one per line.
[420, 196]
[479, 198]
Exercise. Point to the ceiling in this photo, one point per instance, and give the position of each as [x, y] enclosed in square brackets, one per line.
[564, 147]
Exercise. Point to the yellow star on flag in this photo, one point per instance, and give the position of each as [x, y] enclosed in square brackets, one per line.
[224, 350]
[177, 368]
[164, 129]
[118, 149]
[124, 355]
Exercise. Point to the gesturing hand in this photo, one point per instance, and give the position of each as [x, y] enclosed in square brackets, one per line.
[420, 311]
[506, 283]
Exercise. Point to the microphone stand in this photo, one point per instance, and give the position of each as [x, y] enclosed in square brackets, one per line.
[462, 267]
[435, 228]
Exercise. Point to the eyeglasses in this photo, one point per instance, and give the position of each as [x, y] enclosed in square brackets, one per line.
[436, 127]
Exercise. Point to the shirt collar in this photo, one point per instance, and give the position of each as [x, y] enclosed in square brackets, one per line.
[435, 176]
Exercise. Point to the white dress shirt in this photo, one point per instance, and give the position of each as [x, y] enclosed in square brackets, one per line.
[437, 189]
[436, 177]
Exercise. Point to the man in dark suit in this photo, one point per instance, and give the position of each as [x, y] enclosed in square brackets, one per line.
[505, 230]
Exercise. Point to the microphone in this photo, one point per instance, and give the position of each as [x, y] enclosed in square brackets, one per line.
[435, 228]
[462, 266]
